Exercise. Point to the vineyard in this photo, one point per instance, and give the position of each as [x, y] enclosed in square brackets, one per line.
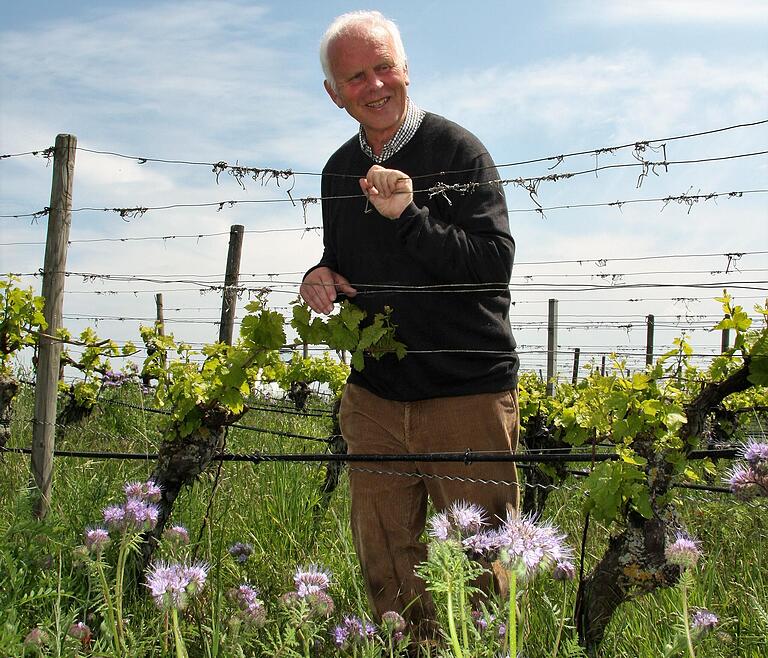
[189, 498]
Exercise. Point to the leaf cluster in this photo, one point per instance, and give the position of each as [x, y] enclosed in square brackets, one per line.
[22, 319]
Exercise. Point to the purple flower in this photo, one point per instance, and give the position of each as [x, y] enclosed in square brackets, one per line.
[80, 632]
[114, 517]
[96, 540]
[340, 637]
[353, 631]
[140, 515]
[466, 517]
[240, 551]
[251, 609]
[176, 535]
[392, 622]
[756, 454]
[747, 483]
[482, 543]
[564, 570]
[172, 585]
[527, 547]
[147, 491]
[36, 637]
[458, 521]
[311, 579]
[440, 526]
[683, 552]
[480, 621]
[321, 605]
[703, 621]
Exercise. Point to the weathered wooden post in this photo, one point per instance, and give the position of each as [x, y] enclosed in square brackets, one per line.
[649, 324]
[602, 366]
[725, 339]
[160, 319]
[575, 375]
[49, 353]
[231, 278]
[552, 347]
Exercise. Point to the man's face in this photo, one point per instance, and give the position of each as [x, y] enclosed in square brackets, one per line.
[370, 82]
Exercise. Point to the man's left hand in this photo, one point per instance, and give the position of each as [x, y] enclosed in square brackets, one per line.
[389, 190]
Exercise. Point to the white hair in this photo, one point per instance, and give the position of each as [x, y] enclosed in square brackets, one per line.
[355, 21]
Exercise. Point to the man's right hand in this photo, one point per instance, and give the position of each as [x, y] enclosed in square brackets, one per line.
[320, 286]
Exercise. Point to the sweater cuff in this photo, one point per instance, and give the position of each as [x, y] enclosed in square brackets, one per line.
[412, 211]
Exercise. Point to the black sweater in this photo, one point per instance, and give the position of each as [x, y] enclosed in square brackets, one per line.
[456, 243]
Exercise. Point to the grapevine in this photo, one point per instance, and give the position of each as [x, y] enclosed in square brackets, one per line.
[653, 420]
[21, 322]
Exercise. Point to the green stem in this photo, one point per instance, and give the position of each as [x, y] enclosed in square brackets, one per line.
[686, 625]
[562, 621]
[119, 580]
[178, 640]
[109, 605]
[452, 626]
[463, 616]
[511, 622]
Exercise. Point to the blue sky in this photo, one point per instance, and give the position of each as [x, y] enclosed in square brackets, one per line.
[240, 82]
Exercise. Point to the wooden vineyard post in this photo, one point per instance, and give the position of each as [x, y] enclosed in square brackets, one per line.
[552, 347]
[231, 278]
[160, 319]
[725, 339]
[49, 354]
[575, 375]
[649, 324]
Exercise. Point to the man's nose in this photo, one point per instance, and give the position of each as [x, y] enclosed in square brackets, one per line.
[374, 82]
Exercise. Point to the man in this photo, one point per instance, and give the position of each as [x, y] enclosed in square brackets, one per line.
[442, 262]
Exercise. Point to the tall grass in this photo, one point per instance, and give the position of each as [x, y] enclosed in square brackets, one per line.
[273, 507]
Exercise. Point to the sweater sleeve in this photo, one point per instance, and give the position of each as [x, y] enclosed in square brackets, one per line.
[462, 237]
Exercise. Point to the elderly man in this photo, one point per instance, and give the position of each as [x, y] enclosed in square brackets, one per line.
[442, 262]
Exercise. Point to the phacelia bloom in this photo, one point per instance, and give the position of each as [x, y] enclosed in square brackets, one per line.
[528, 548]
[96, 540]
[458, 521]
[250, 607]
[480, 621]
[114, 517]
[80, 632]
[703, 621]
[481, 544]
[321, 605]
[240, 551]
[173, 585]
[147, 491]
[392, 622]
[440, 526]
[466, 517]
[684, 552]
[353, 631]
[340, 637]
[756, 454]
[140, 515]
[564, 570]
[311, 579]
[747, 483]
[176, 535]
[37, 637]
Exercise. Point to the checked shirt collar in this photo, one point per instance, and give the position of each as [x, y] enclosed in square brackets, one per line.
[413, 117]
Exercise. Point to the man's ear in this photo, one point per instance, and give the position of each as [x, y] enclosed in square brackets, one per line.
[334, 96]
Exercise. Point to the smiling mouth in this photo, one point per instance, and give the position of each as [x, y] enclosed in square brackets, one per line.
[375, 105]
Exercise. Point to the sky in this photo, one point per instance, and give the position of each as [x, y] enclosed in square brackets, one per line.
[240, 82]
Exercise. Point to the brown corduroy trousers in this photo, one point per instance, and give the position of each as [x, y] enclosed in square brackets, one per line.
[389, 510]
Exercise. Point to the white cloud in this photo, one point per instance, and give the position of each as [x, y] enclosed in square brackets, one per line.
[622, 93]
[666, 11]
